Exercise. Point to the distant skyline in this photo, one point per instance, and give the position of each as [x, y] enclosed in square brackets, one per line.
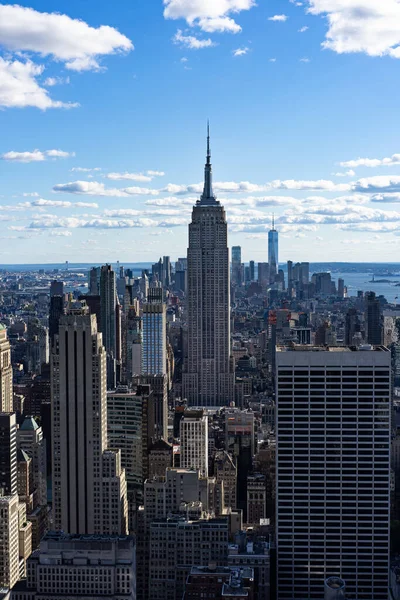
[103, 119]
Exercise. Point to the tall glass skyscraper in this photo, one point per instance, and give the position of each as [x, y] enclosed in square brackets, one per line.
[208, 378]
[154, 351]
[236, 265]
[273, 258]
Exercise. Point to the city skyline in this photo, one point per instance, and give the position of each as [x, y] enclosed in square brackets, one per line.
[298, 152]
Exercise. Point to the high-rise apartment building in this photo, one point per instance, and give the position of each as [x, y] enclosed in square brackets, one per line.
[208, 378]
[333, 470]
[194, 441]
[273, 256]
[6, 377]
[79, 430]
[75, 567]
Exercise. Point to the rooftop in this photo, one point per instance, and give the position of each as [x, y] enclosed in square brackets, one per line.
[309, 348]
[29, 424]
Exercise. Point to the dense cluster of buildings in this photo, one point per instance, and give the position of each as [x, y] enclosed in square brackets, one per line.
[204, 429]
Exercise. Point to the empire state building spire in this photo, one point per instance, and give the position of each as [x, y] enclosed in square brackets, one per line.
[208, 370]
[207, 197]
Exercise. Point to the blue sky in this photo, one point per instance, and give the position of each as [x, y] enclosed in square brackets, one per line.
[103, 110]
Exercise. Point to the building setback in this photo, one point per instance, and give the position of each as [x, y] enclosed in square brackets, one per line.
[82, 465]
[208, 378]
[6, 376]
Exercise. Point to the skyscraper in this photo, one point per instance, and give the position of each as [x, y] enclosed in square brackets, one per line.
[237, 265]
[373, 319]
[252, 270]
[333, 470]
[6, 377]
[154, 350]
[154, 356]
[208, 378]
[108, 319]
[194, 441]
[8, 454]
[85, 474]
[273, 258]
[30, 439]
[56, 310]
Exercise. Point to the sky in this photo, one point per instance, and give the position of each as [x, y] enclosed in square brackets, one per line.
[103, 116]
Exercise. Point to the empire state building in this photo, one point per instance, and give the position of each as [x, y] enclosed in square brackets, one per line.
[208, 377]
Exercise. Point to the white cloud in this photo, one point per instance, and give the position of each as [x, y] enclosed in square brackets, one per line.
[247, 186]
[349, 173]
[304, 60]
[377, 184]
[220, 25]
[321, 184]
[122, 212]
[59, 154]
[35, 155]
[240, 51]
[50, 222]
[209, 15]
[174, 222]
[94, 188]
[273, 60]
[31, 194]
[84, 169]
[61, 233]
[278, 18]
[129, 176]
[139, 191]
[368, 26]
[155, 173]
[171, 201]
[58, 204]
[372, 162]
[371, 227]
[261, 231]
[72, 41]
[389, 197]
[303, 29]
[52, 81]
[191, 42]
[19, 87]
